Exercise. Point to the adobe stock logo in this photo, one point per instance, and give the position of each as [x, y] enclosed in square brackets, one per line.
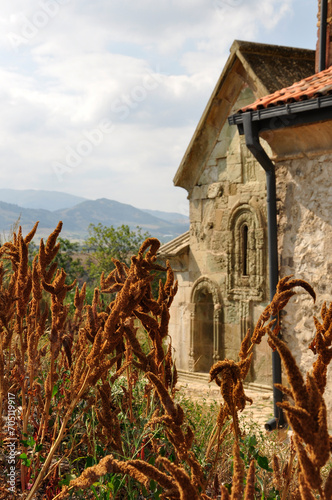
[122, 107]
[75, 155]
[221, 4]
[30, 27]
[126, 102]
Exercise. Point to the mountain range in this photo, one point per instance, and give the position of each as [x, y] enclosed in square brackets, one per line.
[76, 213]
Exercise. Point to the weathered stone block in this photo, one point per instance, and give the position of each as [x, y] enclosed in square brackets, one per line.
[234, 170]
[245, 196]
[262, 364]
[195, 210]
[233, 313]
[210, 174]
[233, 200]
[215, 190]
[219, 215]
[220, 242]
[222, 203]
[216, 263]
[182, 278]
[208, 211]
[196, 193]
[222, 169]
[232, 339]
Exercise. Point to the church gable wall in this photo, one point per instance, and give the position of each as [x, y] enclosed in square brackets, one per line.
[231, 187]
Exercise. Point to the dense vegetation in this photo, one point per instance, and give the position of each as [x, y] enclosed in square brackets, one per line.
[89, 400]
[86, 261]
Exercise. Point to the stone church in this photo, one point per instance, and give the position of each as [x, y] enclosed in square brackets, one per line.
[221, 264]
[260, 133]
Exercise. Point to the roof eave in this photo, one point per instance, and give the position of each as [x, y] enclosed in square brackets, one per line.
[287, 115]
[175, 247]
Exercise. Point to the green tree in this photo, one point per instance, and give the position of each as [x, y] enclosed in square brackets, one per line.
[67, 258]
[105, 243]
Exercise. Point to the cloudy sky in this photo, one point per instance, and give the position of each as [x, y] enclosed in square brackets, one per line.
[100, 98]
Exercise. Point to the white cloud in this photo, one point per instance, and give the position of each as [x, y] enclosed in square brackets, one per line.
[148, 67]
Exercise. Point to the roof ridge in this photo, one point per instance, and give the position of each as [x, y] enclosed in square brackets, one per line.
[259, 48]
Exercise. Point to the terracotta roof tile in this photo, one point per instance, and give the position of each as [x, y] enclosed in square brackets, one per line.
[314, 86]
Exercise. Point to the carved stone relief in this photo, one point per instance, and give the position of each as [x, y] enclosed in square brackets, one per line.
[245, 254]
[248, 162]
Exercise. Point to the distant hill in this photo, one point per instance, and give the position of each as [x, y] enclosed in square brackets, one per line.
[173, 217]
[76, 219]
[26, 217]
[38, 198]
[113, 213]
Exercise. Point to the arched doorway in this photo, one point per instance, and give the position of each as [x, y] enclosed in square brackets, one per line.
[203, 332]
[205, 326]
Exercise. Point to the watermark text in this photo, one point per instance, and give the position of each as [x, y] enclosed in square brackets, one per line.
[11, 443]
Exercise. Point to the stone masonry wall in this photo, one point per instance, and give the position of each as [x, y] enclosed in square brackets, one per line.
[231, 180]
[304, 190]
[230, 191]
[232, 183]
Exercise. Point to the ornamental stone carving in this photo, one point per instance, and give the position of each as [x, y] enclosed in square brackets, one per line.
[245, 253]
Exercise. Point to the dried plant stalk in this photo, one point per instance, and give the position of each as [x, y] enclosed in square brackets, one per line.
[86, 353]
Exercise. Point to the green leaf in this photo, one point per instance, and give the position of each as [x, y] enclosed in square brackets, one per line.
[252, 441]
[94, 491]
[274, 495]
[66, 481]
[116, 483]
[55, 390]
[144, 491]
[228, 486]
[90, 461]
[28, 442]
[263, 463]
[78, 458]
[260, 481]
[26, 461]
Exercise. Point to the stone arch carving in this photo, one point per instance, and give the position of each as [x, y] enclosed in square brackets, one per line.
[205, 325]
[245, 253]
